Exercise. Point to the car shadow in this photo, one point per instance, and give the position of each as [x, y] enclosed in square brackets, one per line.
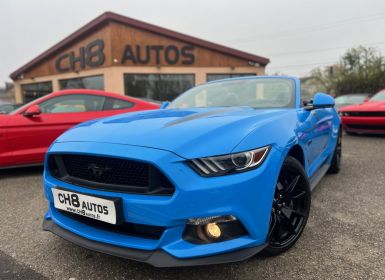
[22, 171]
[92, 260]
[367, 135]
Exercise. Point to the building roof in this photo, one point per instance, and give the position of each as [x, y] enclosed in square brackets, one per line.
[109, 16]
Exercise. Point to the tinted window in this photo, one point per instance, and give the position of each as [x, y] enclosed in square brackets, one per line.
[257, 93]
[117, 104]
[33, 91]
[350, 99]
[94, 82]
[5, 109]
[379, 96]
[213, 77]
[72, 103]
[157, 86]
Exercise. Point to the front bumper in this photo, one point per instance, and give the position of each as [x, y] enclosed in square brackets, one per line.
[363, 124]
[157, 258]
[248, 196]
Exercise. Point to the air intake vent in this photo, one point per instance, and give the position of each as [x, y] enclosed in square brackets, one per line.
[112, 174]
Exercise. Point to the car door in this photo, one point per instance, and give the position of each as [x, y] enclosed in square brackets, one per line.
[5, 150]
[30, 136]
[320, 121]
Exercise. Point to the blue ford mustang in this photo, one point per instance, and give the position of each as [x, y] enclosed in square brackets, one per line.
[222, 173]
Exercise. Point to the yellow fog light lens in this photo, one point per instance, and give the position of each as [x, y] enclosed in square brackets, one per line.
[213, 230]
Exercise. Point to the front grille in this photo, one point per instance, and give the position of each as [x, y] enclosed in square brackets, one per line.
[108, 173]
[138, 230]
[366, 127]
[365, 114]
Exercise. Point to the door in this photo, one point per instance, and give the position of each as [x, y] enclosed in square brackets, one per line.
[30, 136]
[320, 123]
[5, 149]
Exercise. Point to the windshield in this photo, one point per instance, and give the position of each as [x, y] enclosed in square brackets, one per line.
[379, 96]
[352, 99]
[257, 93]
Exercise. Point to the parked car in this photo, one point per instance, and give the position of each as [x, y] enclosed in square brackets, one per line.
[7, 108]
[351, 99]
[26, 133]
[222, 173]
[368, 117]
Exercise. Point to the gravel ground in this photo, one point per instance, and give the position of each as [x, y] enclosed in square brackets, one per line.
[344, 238]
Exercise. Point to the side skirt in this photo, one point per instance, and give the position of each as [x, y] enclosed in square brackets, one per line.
[21, 166]
[316, 178]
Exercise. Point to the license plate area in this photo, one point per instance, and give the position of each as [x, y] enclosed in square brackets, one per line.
[100, 208]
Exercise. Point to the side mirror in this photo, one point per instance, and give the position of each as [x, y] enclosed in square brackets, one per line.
[164, 105]
[366, 99]
[321, 100]
[34, 110]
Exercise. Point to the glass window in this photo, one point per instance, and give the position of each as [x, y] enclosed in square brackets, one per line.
[31, 92]
[213, 77]
[72, 103]
[257, 93]
[380, 96]
[117, 104]
[351, 99]
[93, 82]
[157, 86]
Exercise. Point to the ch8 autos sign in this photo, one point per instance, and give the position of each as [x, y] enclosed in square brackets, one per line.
[93, 55]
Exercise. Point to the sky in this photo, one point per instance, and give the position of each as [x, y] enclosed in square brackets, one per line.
[296, 35]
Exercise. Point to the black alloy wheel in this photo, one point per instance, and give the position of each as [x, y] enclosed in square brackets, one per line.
[335, 165]
[291, 207]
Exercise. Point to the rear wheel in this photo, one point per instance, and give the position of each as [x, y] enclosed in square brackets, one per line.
[335, 165]
[291, 207]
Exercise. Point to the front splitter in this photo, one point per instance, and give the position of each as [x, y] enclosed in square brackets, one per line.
[157, 258]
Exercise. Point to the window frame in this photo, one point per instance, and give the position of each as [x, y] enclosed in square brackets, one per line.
[158, 74]
[230, 76]
[114, 98]
[79, 78]
[29, 84]
[71, 95]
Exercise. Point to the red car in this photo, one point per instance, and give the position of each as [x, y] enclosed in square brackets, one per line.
[368, 117]
[26, 133]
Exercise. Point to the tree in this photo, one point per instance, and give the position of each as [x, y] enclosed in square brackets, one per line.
[359, 70]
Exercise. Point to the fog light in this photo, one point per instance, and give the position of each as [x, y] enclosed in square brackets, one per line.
[213, 230]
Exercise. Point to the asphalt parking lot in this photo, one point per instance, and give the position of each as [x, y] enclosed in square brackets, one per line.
[344, 238]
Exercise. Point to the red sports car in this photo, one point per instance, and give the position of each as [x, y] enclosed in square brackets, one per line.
[26, 133]
[368, 117]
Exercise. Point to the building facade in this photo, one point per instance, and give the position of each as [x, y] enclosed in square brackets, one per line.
[119, 54]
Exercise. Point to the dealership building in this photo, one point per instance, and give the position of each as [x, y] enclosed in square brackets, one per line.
[119, 54]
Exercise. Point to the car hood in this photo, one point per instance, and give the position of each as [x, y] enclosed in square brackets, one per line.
[367, 106]
[189, 133]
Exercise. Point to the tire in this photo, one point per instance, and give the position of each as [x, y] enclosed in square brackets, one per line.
[291, 208]
[335, 165]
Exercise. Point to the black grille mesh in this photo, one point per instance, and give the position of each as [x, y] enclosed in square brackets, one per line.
[365, 114]
[116, 171]
[108, 173]
[143, 231]
[366, 127]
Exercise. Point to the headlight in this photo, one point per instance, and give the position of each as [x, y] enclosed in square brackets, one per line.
[232, 163]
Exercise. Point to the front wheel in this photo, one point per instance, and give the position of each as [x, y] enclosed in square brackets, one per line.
[291, 207]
